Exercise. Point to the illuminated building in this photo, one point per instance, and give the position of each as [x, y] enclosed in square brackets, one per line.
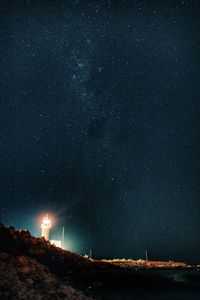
[46, 226]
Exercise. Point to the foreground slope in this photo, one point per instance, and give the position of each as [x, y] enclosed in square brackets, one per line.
[38, 270]
[24, 278]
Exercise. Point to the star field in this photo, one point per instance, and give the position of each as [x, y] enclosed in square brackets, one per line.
[100, 123]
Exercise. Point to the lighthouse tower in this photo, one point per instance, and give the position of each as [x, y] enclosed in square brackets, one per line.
[46, 226]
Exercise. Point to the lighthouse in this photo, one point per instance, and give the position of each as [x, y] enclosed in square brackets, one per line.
[46, 226]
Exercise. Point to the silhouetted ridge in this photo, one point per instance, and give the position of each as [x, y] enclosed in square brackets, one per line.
[59, 261]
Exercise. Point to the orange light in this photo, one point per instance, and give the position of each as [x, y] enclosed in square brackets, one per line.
[46, 222]
[47, 218]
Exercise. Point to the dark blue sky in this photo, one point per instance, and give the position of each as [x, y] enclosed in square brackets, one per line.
[100, 123]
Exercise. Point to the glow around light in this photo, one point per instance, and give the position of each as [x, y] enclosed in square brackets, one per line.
[45, 219]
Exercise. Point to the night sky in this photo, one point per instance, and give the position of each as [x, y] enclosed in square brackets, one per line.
[100, 124]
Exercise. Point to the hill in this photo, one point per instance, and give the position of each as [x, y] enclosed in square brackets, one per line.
[32, 268]
[24, 278]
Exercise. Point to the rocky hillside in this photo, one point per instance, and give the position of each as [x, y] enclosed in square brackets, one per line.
[29, 268]
[58, 261]
[32, 268]
[20, 242]
[24, 278]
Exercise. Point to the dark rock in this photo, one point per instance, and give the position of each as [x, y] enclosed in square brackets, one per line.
[23, 278]
[29, 266]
